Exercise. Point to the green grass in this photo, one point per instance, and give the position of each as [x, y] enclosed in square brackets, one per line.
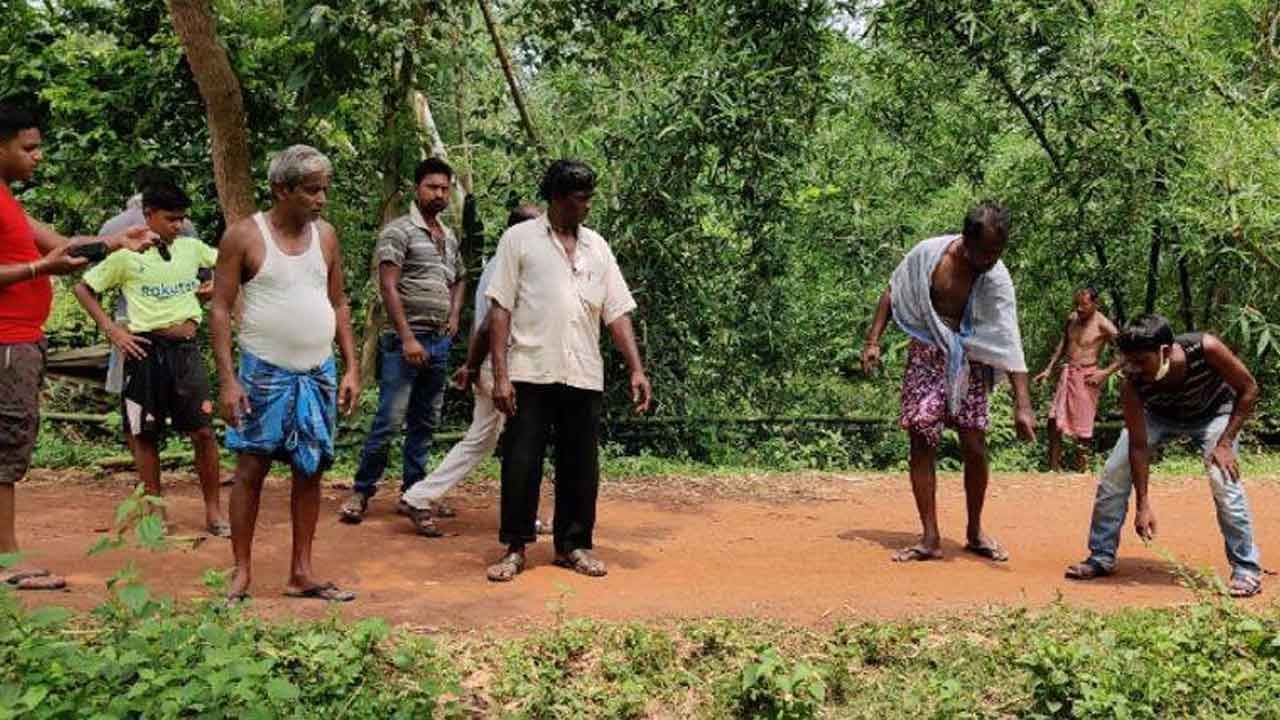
[1208, 660]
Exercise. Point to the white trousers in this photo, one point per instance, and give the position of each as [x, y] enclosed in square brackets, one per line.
[471, 450]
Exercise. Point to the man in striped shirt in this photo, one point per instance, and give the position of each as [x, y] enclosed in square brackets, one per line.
[421, 279]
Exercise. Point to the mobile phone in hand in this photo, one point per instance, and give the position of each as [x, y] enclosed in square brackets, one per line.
[91, 251]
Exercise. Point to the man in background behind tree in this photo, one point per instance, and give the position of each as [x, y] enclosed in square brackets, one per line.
[1075, 403]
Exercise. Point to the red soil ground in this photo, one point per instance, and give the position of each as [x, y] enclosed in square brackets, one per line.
[806, 550]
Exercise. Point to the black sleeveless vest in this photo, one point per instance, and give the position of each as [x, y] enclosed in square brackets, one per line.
[1201, 395]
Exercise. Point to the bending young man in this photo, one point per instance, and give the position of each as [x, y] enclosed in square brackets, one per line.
[954, 297]
[1189, 386]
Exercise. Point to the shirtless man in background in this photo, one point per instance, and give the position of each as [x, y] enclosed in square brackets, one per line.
[1075, 403]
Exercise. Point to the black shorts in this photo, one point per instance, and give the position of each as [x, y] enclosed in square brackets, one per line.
[166, 390]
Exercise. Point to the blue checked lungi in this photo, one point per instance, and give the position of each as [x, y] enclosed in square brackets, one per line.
[293, 416]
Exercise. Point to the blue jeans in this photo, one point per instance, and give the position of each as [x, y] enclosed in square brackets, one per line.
[409, 397]
[1112, 500]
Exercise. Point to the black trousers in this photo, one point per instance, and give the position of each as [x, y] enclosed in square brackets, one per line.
[573, 416]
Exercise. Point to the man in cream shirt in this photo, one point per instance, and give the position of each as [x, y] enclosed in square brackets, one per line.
[554, 283]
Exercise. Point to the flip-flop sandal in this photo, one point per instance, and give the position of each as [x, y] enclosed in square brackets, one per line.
[220, 529]
[13, 577]
[423, 524]
[442, 509]
[1087, 570]
[1244, 586]
[583, 563]
[324, 591]
[915, 553]
[353, 510]
[39, 582]
[992, 552]
[235, 600]
[505, 570]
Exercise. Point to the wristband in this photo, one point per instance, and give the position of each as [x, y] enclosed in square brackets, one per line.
[32, 267]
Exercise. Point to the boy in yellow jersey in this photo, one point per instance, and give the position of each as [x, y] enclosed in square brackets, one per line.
[165, 381]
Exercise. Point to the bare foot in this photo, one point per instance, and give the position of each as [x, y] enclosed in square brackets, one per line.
[238, 588]
[987, 547]
[917, 553]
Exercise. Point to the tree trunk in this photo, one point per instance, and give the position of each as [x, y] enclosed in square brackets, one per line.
[1153, 269]
[516, 95]
[224, 105]
[1184, 281]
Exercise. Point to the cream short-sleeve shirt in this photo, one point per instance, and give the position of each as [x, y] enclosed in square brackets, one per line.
[557, 307]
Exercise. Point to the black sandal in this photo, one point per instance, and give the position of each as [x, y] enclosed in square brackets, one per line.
[353, 510]
[422, 521]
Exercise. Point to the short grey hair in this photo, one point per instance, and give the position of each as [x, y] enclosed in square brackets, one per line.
[293, 163]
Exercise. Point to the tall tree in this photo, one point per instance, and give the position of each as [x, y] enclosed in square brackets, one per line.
[224, 105]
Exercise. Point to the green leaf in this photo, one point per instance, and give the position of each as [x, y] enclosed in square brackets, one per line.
[8, 560]
[46, 617]
[282, 690]
[34, 696]
[151, 531]
[134, 597]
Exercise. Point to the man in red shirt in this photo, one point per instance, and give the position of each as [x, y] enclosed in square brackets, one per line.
[30, 252]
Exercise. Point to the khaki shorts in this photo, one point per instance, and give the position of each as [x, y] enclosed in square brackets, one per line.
[21, 375]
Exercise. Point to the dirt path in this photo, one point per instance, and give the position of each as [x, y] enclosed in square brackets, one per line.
[815, 554]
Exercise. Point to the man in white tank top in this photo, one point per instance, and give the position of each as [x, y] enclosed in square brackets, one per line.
[282, 405]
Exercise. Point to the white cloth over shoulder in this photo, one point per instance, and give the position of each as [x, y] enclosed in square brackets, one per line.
[988, 332]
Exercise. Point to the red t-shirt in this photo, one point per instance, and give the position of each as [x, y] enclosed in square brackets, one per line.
[24, 306]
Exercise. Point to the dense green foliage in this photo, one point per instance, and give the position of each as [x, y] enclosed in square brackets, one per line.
[1209, 660]
[764, 163]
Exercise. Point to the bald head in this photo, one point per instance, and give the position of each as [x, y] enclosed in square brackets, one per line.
[521, 213]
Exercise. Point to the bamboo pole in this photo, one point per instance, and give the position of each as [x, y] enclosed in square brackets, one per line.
[516, 94]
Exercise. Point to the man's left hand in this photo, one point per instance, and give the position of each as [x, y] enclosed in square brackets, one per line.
[1096, 377]
[641, 392]
[463, 378]
[451, 327]
[204, 293]
[349, 392]
[1024, 422]
[1224, 456]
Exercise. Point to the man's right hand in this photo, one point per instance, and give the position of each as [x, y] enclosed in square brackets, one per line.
[131, 345]
[58, 262]
[1041, 377]
[1144, 521]
[870, 357]
[233, 403]
[504, 396]
[414, 353]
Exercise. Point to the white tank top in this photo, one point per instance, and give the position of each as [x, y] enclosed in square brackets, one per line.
[288, 318]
